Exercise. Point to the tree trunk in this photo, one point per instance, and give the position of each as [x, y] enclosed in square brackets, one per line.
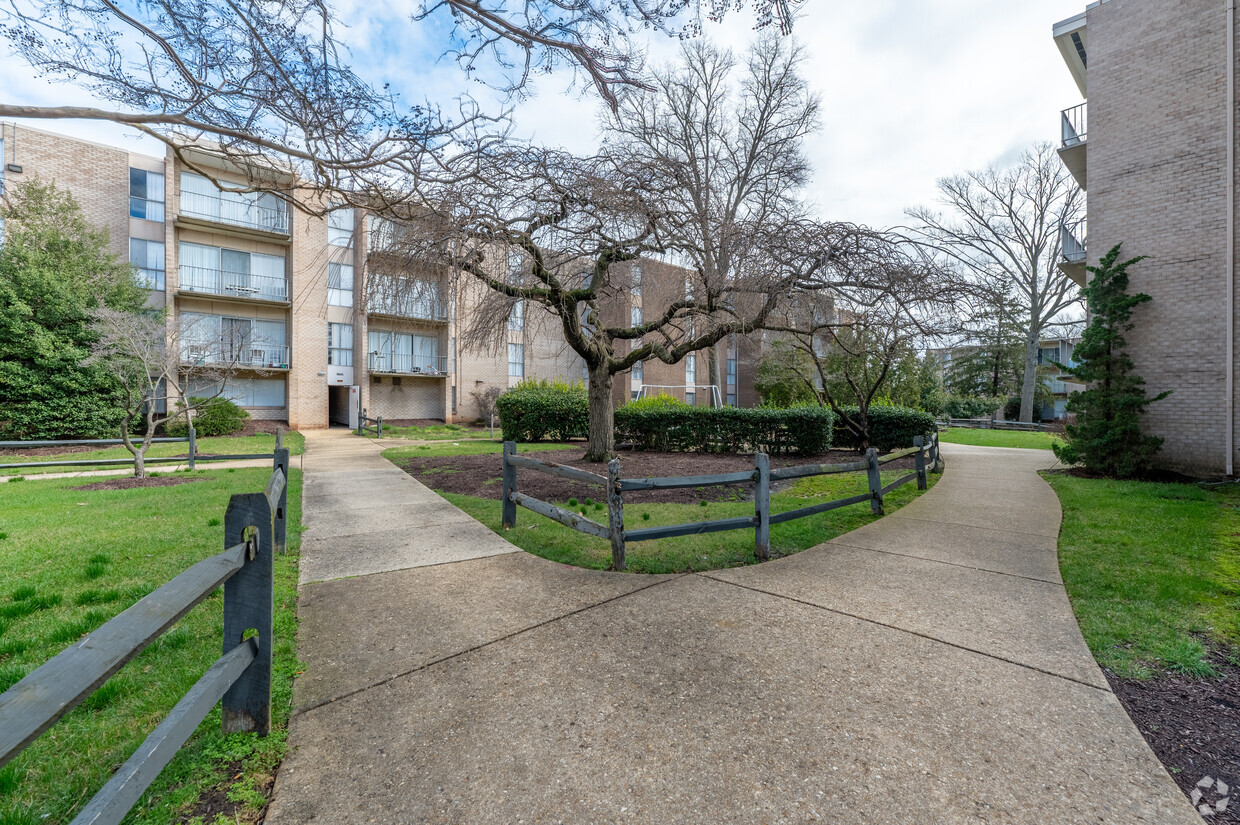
[139, 465]
[602, 445]
[713, 371]
[1031, 378]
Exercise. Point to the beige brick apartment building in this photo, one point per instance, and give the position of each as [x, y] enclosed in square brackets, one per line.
[320, 313]
[1157, 158]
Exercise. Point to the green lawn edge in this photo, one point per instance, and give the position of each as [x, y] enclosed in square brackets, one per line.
[998, 438]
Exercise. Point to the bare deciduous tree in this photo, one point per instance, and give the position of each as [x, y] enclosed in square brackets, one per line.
[1003, 225]
[725, 150]
[154, 371]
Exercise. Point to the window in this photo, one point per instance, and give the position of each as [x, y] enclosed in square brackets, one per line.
[691, 369]
[148, 258]
[218, 339]
[691, 398]
[340, 285]
[516, 265]
[245, 392]
[201, 198]
[637, 280]
[516, 360]
[1048, 355]
[731, 370]
[340, 345]
[731, 399]
[516, 316]
[146, 195]
[340, 227]
[637, 372]
[635, 316]
[233, 273]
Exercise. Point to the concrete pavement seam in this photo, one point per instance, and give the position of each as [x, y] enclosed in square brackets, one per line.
[905, 630]
[897, 514]
[949, 563]
[316, 705]
[514, 549]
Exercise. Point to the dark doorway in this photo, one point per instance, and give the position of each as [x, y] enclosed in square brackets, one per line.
[338, 406]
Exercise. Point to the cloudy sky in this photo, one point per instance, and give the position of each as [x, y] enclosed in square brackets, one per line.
[912, 90]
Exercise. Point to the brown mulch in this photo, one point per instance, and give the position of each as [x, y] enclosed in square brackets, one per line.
[1193, 725]
[412, 422]
[251, 427]
[480, 475]
[130, 483]
[215, 802]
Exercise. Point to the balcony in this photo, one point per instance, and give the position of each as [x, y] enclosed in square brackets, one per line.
[421, 305]
[1072, 151]
[246, 355]
[264, 213]
[208, 281]
[431, 366]
[1072, 240]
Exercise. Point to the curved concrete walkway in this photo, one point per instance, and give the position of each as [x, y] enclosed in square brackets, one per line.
[925, 668]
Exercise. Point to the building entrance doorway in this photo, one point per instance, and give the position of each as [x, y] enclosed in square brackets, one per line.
[338, 406]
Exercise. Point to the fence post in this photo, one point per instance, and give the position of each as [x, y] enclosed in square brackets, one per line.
[193, 445]
[615, 514]
[249, 605]
[509, 517]
[279, 530]
[762, 507]
[919, 461]
[379, 421]
[876, 483]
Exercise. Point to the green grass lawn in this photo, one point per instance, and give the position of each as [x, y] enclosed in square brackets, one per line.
[551, 540]
[998, 438]
[440, 432]
[1153, 571]
[74, 559]
[467, 448]
[221, 445]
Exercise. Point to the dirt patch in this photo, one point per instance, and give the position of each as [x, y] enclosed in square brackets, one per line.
[215, 802]
[262, 427]
[130, 483]
[1193, 725]
[41, 451]
[413, 422]
[480, 475]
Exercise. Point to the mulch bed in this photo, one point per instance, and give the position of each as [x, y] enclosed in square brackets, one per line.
[251, 427]
[480, 475]
[1193, 725]
[130, 483]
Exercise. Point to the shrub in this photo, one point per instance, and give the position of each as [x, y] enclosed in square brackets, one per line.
[215, 416]
[1011, 409]
[891, 428]
[537, 410]
[679, 427]
[964, 406]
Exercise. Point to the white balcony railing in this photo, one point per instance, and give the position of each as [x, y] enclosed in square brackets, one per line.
[407, 364]
[421, 306]
[1073, 126]
[244, 354]
[238, 209]
[232, 284]
[1072, 239]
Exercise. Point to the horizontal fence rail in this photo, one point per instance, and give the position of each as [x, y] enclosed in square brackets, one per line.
[925, 453]
[191, 458]
[254, 530]
[366, 424]
[992, 424]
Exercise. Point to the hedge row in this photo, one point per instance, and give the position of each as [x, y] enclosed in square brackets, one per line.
[544, 411]
[891, 428]
[683, 428]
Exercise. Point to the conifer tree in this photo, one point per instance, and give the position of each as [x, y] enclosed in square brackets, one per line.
[1107, 437]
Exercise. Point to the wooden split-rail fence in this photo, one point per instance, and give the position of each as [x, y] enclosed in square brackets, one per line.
[191, 459]
[925, 453]
[255, 530]
[992, 424]
[365, 424]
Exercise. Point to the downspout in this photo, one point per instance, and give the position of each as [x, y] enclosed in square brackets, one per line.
[1230, 305]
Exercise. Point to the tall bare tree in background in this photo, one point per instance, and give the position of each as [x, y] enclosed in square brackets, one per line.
[1003, 225]
[722, 139]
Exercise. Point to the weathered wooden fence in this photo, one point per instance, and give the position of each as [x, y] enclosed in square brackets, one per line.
[191, 459]
[924, 451]
[992, 424]
[369, 425]
[254, 531]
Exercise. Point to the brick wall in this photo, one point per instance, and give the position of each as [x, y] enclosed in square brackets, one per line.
[1157, 148]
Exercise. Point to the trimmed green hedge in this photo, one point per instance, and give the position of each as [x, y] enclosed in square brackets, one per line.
[218, 416]
[678, 427]
[537, 410]
[891, 428]
[962, 406]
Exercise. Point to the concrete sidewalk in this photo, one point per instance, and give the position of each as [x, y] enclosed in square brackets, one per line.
[925, 668]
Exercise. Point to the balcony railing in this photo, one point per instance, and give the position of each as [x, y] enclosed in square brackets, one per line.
[237, 210]
[233, 284]
[1073, 124]
[408, 306]
[226, 353]
[406, 364]
[1072, 238]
